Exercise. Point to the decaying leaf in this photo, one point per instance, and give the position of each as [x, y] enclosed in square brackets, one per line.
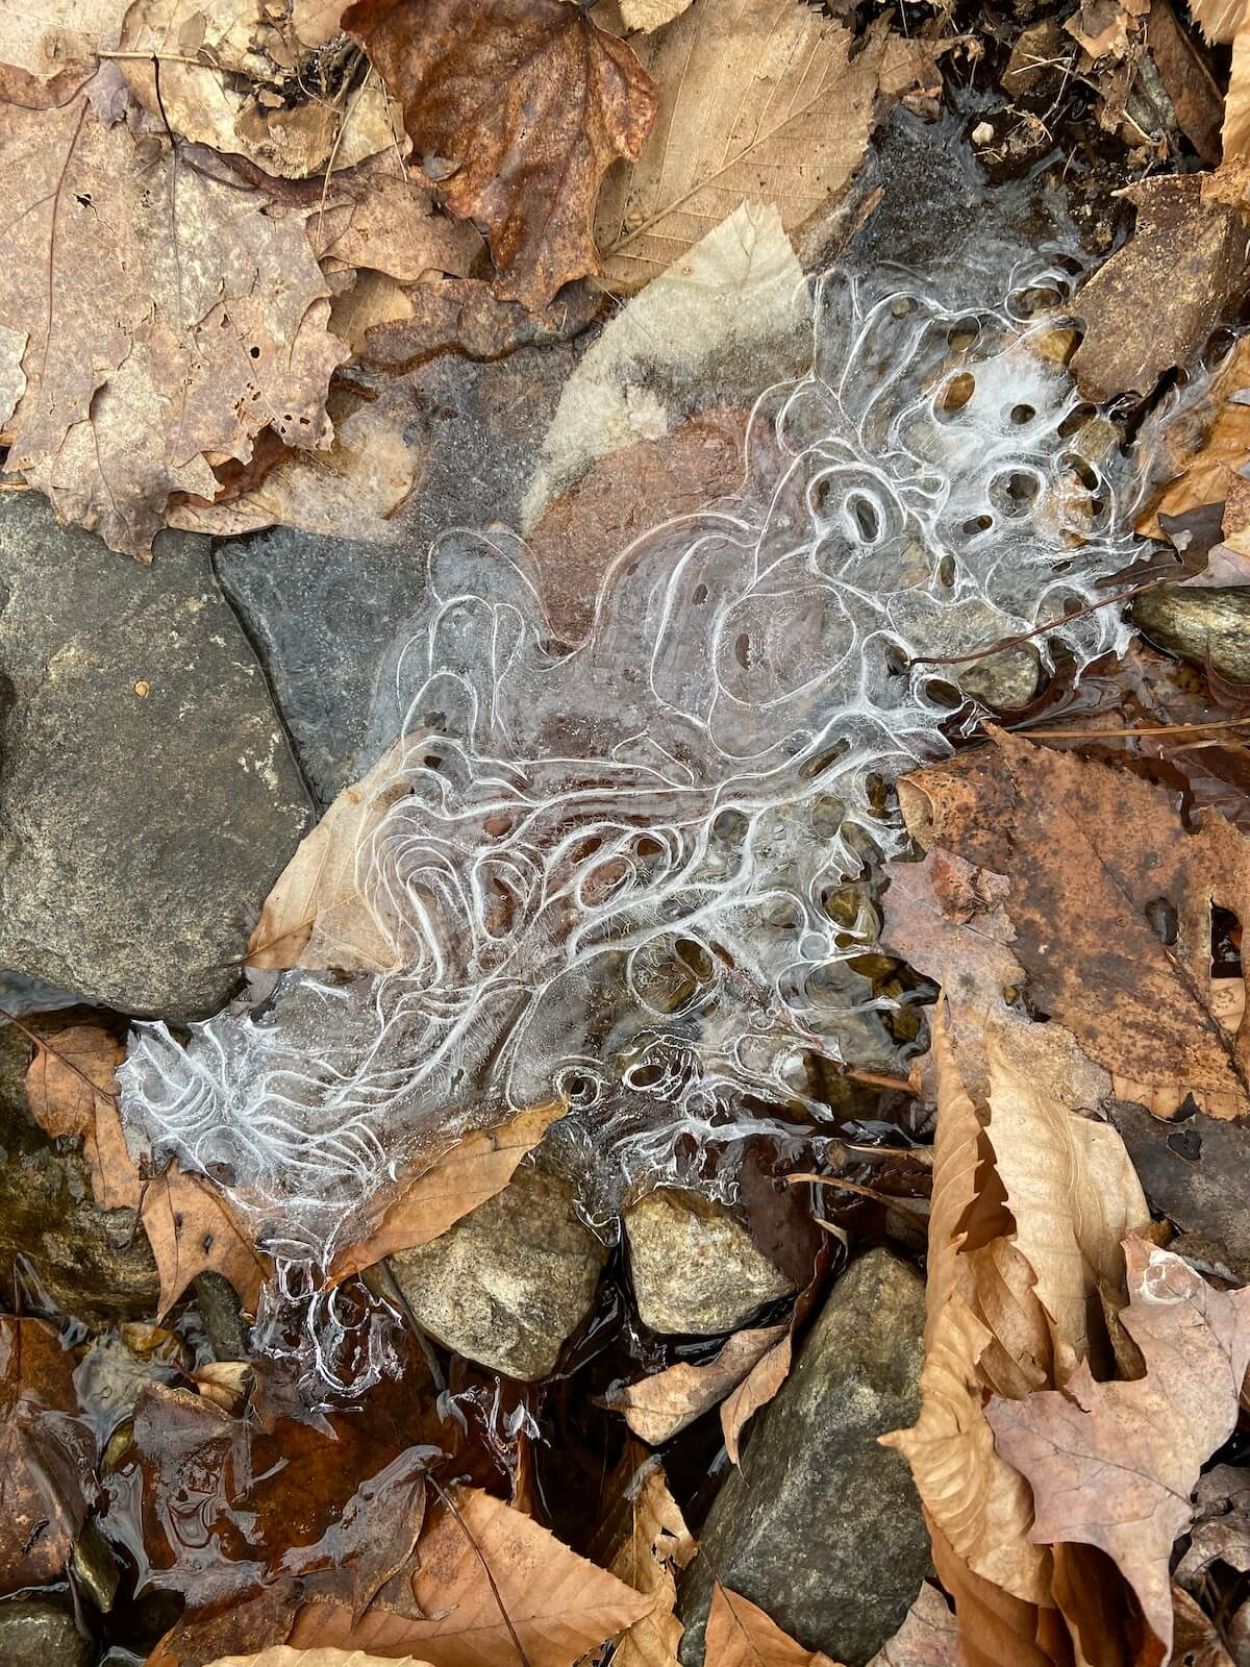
[198, 322]
[282, 1655]
[1209, 446]
[1155, 302]
[1113, 1464]
[48, 50]
[1109, 903]
[475, 1168]
[1187, 80]
[443, 1607]
[248, 86]
[738, 298]
[518, 108]
[740, 1634]
[317, 915]
[759, 102]
[657, 1407]
[47, 1455]
[645, 1542]
[927, 1637]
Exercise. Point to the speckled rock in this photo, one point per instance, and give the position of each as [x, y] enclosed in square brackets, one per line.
[148, 798]
[821, 1526]
[36, 1632]
[508, 1284]
[695, 1268]
[1200, 624]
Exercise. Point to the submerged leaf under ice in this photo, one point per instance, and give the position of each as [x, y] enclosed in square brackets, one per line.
[636, 874]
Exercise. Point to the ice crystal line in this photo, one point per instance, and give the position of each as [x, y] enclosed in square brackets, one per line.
[607, 873]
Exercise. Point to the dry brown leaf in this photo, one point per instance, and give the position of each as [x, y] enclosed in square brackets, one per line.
[1153, 305]
[198, 322]
[657, 1407]
[465, 316]
[48, 50]
[648, 15]
[1187, 80]
[382, 218]
[759, 102]
[740, 1634]
[520, 107]
[478, 1166]
[317, 916]
[927, 1638]
[1219, 20]
[63, 1104]
[647, 1543]
[46, 1455]
[282, 1655]
[623, 496]
[1113, 1465]
[443, 1608]
[1195, 1642]
[759, 1386]
[192, 1230]
[1209, 446]
[254, 90]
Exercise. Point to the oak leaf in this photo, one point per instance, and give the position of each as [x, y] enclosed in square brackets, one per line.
[740, 1634]
[447, 1609]
[656, 1408]
[518, 108]
[479, 1165]
[195, 323]
[759, 102]
[47, 1455]
[1113, 1465]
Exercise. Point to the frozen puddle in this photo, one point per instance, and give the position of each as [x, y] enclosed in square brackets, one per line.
[634, 875]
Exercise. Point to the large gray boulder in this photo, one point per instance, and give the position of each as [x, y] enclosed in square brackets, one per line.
[821, 1527]
[148, 798]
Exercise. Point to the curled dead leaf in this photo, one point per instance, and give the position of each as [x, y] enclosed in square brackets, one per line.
[656, 1408]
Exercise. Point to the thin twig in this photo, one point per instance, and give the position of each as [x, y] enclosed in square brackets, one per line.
[875, 1079]
[862, 1192]
[1038, 630]
[1125, 734]
[34, 1036]
[163, 58]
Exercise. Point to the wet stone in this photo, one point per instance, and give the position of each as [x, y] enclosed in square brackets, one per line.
[1207, 627]
[92, 1263]
[510, 1283]
[821, 1527]
[148, 798]
[325, 612]
[36, 1632]
[695, 1269]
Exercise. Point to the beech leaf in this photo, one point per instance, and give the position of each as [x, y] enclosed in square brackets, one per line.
[740, 1634]
[657, 1407]
[1113, 1465]
[524, 104]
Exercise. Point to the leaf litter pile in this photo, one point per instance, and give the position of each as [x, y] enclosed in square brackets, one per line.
[729, 1139]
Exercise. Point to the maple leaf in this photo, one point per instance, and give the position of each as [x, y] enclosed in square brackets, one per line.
[47, 1455]
[483, 1578]
[1113, 1465]
[519, 107]
[165, 316]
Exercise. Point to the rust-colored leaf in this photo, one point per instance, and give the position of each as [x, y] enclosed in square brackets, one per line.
[517, 108]
[47, 1455]
[1113, 1465]
[483, 1576]
[193, 1230]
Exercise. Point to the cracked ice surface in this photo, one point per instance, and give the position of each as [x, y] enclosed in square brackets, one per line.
[606, 874]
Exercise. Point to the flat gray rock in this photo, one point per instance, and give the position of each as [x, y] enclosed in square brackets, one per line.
[148, 798]
[821, 1527]
[696, 1269]
[510, 1283]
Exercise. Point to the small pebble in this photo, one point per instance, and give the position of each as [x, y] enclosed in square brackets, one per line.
[982, 134]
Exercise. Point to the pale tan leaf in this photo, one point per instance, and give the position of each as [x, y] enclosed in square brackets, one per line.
[282, 1655]
[759, 101]
[318, 914]
[1113, 1465]
[1208, 446]
[648, 1542]
[1219, 20]
[49, 49]
[647, 15]
[1236, 130]
[479, 1165]
[755, 1391]
[740, 1634]
[443, 1607]
[657, 1407]
[927, 1638]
